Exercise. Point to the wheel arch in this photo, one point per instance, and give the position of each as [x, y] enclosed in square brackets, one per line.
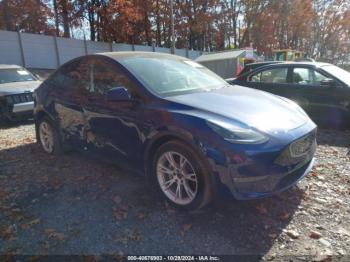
[39, 115]
[210, 190]
[163, 138]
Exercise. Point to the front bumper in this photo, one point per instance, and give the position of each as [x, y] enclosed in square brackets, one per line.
[273, 185]
[250, 173]
[17, 106]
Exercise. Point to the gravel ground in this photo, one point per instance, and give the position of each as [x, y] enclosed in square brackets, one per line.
[76, 205]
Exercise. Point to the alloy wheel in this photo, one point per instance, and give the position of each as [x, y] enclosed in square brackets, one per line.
[46, 136]
[177, 178]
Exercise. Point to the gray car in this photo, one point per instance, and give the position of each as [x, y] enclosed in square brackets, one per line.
[16, 88]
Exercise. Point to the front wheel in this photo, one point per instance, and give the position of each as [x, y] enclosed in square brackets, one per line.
[48, 137]
[181, 176]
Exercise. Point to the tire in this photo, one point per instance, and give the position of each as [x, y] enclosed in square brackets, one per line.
[192, 183]
[48, 137]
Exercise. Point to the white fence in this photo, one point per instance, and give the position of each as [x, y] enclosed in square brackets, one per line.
[49, 52]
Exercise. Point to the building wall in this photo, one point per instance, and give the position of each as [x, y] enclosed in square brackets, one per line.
[224, 68]
[49, 52]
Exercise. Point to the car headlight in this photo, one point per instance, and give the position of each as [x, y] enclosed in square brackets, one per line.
[236, 134]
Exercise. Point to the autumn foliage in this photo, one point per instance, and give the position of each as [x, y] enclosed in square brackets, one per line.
[320, 28]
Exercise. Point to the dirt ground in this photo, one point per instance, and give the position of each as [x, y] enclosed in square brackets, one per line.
[76, 205]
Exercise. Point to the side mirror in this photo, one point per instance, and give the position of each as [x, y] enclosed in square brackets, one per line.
[118, 94]
[329, 83]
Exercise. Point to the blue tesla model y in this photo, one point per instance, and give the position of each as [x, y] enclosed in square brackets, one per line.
[191, 133]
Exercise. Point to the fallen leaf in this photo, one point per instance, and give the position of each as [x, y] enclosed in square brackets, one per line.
[135, 235]
[121, 212]
[8, 233]
[17, 214]
[315, 234]
[166, 204]
[273, 236]
[270, 257]
[59, 236]
[52, 233]
[293, 234]
[141, 215]
[261, 209]
[30, 224]
[284, 216]
[313, 173]
[186, 227]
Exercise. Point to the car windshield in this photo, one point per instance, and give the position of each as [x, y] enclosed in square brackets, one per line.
[10, 75]
[169, 76]
[338, 72]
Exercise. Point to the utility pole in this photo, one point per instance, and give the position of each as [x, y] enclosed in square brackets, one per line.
[172, 27]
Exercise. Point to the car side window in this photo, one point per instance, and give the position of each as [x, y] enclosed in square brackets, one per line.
[302, 76]
[71, 76]
[105, 76]
[307, 76]
[80, 73]
[318, 77]
[255, 78]
[274, 75]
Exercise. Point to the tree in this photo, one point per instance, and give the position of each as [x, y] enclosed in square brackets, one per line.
[331, 38]
[26, 16]
[280, 25]
[252, 10]
[67, 13]
[319, 27]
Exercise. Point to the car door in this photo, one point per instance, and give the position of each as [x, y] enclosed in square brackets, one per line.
[114, 128]
[69, 96]
[323, 104]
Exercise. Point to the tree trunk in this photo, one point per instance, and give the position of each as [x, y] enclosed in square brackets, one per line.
[158, 33]
[55, 9]
[234, 22]
[7, 17]
[66, 32]
[91, 17]
[92, 26]
[147, 29]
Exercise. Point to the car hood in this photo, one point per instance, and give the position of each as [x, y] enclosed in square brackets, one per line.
[18, 87]
[257, 109]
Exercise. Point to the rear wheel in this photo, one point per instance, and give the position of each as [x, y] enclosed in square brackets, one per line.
[48, 136]
[181, 176]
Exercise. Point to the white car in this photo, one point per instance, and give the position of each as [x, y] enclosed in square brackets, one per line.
[16, 92]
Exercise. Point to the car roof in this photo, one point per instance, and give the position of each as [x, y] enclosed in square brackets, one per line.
[4, 66]
[263, 63]
[223, 55]
[121, 55]
[306, 63]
